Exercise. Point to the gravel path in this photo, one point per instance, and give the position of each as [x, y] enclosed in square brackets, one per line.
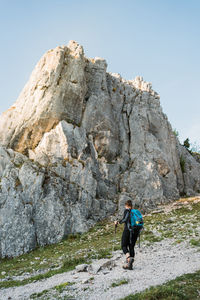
[153, 265]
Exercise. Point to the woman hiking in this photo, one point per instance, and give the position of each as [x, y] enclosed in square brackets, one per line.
[129, 236]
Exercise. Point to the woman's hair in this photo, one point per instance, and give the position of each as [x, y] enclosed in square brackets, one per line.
[129, 203]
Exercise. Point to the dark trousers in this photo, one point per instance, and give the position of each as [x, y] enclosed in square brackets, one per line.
[128, 241]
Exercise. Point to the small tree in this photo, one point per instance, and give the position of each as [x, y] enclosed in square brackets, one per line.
[175, 132]
[186, 144]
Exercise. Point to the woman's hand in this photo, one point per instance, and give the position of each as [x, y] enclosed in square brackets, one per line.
[116, 222]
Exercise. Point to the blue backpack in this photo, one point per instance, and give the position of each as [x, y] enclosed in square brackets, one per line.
[136, 219]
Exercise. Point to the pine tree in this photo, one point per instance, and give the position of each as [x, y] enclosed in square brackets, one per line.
[186, 143]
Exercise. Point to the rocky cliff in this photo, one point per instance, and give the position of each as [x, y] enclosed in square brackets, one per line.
[76, 144]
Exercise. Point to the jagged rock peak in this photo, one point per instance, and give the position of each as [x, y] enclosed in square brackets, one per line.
[75, 48]
[55, 91]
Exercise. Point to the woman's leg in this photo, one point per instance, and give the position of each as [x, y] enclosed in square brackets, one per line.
[126, 248]
[133, 239]
[125, 241]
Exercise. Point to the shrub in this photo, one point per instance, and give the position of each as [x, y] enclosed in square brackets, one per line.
[175, 132]
[186, 143]
[182, 164]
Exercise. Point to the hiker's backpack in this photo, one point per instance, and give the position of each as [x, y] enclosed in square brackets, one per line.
[136, 219]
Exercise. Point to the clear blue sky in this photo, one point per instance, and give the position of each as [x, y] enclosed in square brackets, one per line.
[156, 39]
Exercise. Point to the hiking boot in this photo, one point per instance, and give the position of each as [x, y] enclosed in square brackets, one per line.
[129, 264]
[125, 266]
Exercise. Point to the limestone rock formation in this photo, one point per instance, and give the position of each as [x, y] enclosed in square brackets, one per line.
[55, 92]
[77, 144]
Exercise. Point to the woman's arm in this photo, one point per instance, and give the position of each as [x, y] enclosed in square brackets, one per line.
[125, 218]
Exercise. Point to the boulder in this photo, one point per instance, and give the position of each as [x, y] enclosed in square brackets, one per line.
[81, 268]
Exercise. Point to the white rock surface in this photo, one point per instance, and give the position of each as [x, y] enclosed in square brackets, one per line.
[54, 92]
[82, 268]
[78, 143]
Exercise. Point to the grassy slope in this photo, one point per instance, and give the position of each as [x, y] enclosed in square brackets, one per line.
[186, 287]
[179, 224]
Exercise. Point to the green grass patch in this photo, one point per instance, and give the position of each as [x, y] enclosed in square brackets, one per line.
[186, 287]
[179, 224]
[194, 242]
[53, 293]
[67, 266]
[39, 295]
[118, 283]
[103, 253]
[61, 287]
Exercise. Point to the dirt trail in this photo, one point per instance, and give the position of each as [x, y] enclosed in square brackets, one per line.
[153, 265]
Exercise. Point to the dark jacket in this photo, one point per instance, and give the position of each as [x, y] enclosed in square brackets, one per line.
[126, 219]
